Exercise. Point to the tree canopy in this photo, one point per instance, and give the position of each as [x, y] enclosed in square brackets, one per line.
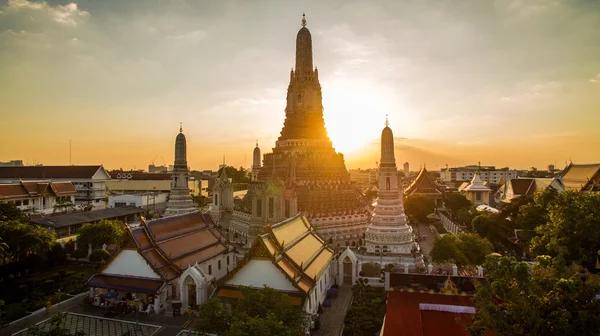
[262, 312]
[461, 249]
[24, 239]
[9, 211]
[419, 207]
[549, 299]
[455, 202]
[571, 231]
[103, 232]
[240, 175]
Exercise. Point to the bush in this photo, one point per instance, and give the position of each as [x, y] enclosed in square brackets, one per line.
[57, 254]
[49, 286]
[79, 253]
[55, 277]
[99, 256]
[371, 270]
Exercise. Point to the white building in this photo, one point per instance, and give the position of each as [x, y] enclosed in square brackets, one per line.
[152, 202]
[476, 191]
[39, 197]
[176, 258]
[457, 175]
[89, 181]
[363, 178]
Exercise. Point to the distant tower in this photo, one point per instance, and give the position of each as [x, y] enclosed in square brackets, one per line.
[255, 163]
[406, 168]
[180, 200]
[388, 231]
[222, 197]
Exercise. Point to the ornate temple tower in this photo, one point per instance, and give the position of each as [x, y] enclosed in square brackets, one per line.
[222, 198]
[255, 163]
[180, 200]
[388, 231]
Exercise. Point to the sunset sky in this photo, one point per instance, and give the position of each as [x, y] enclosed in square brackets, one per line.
[507, 83]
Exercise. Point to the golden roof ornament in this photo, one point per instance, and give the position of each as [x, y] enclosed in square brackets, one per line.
[303, 20]
[180, 127]
[387, 122]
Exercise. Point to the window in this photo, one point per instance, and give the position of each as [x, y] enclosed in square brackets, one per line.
[120, 204]
[25, 202]
[478, 196]
[219, 265]
[216, 199]
[259, 208]
[271, 207]
[209, 269]
[227, 260]
[287, 208]
[18, 203]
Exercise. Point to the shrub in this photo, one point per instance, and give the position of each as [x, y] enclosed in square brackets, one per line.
[48, 286]
[99, 256]
[55, 277]
[79, 253]
[57, 254]
[23, 290]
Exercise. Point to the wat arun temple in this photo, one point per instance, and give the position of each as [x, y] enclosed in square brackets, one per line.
[305, 175]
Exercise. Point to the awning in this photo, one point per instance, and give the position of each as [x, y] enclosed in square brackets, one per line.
[127, 284]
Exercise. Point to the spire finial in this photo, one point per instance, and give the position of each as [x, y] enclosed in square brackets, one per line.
[180, 127]
[303, 20]
[387, 122]
[256, 142]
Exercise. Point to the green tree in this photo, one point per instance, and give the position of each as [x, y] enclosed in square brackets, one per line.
[496, 229]
[455, 202]
[462, 249]
[103, 232]
[365, 316]
[200, 200]
[263, 311]
[25, 239]
[535, 213]
[9, 211]
[549, 299]
[241, 175]
[99, 256]
[572, 228]
[419, 206]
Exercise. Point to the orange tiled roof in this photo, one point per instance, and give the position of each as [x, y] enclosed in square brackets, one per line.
[173, 243]
[33, 189]
[423, 184]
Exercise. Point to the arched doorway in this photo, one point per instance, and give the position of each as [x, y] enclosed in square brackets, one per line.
[191, 292]
[347, 271]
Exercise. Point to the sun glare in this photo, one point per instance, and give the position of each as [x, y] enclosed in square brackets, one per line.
[354, 114]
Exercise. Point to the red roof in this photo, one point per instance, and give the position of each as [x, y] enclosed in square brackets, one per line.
[423, 184]
[48, 172]
[404, 317]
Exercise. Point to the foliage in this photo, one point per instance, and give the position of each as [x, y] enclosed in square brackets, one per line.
[572, 228]
[241, 175]
[510, 210]
[260, 312]
[57, 328]
[99, 256]
[496, 229]
[24, 239]
[549, 299]
[461, 249]
[200, 200]
[9, 211]
[57, 254]
[371, 270]
[104, 232]
[365, 316]
[465, 215]
[456, 201]
[535, 213]
[79, 253]
[419, 206]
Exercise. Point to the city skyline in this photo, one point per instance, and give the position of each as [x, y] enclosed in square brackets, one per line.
[506, 83]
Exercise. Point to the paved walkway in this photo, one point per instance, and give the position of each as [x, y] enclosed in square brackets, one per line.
[427, 242]
[332, 318]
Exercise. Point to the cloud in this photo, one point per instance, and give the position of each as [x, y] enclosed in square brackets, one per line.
[596, 79]
[68, 14]
[189, 37]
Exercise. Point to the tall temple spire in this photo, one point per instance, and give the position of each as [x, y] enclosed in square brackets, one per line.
[304, 58]
[180, 149]
[180, 200]
[387, 146]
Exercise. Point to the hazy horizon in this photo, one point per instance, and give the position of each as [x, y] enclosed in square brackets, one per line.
[505, 83]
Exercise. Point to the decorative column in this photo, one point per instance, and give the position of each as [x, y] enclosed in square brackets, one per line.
[480, 271]
[89, 250]
[454, 270]
[406, 268]
[429, 268]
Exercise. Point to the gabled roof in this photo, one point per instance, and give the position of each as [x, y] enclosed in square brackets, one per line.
[521, 186]
[174, 243]
[34, 189]
[476, 184]
[49, 172]
[423, 184]
[581, 177]
[295, 249]
[86, 216]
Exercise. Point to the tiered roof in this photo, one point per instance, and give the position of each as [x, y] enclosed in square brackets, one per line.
[169, 245]
[582, 177]
[476, 184]
[423, 185]
[293, 248]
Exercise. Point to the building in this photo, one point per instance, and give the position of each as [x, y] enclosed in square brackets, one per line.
[406, 168]
[39, 197]
[256, 163]
[456, 176]
[425, 185]
[152, 202]
[137, 183]
[152, 169]
[476, 191]
[89, 181]
[180, 199]
[289, 257]
[12, 163]
[525, 186]
[304, 173]
[364, 179]
[581, 177]
[388, 231]
[68, 225]
[173, 258]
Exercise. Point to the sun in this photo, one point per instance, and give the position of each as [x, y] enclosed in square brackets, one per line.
[354, 114]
